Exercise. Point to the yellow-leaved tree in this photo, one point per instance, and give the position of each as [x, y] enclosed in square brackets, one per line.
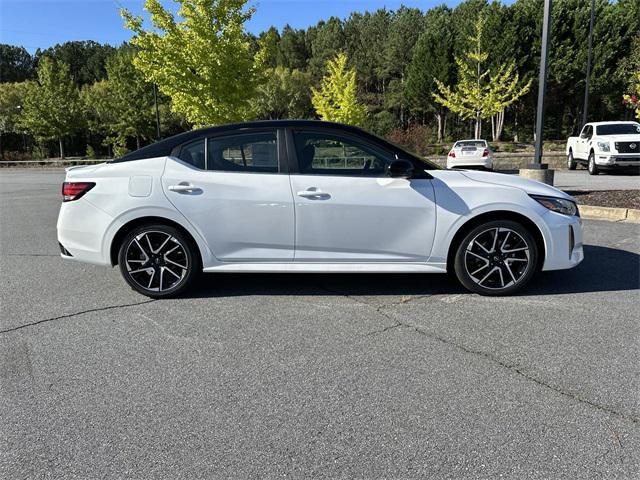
[336, 100]
[481, 94]
[202, 61]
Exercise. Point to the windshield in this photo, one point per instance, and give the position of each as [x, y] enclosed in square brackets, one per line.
[619, 129]
[471, 143]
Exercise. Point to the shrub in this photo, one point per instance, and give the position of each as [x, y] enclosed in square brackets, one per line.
[414, 138]
[91, 153]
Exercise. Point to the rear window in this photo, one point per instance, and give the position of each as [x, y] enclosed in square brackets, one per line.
[471, 143]
[618, 129]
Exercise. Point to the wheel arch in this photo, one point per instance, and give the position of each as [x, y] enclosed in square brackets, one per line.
[473, 222]
[139, 221]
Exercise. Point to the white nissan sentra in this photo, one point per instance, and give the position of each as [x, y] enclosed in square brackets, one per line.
[309, 196]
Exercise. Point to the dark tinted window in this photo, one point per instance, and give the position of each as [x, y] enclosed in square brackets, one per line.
[193, 154]
[249, 152]
[619, 129]
[329, 154]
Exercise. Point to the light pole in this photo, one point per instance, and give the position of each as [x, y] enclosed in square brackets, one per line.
[538, 170]
[155, 100]
[585, 108]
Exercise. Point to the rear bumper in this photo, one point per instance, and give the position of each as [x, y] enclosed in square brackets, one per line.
[81, 228]
[486, 162]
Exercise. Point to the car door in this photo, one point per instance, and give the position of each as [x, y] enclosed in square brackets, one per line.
[349, 210]
[234, 189]
[584, 142]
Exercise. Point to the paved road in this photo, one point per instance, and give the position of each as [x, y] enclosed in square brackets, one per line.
[581, 180]
[395, 376]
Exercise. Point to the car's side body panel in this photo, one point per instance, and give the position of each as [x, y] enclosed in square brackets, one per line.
[245, 217]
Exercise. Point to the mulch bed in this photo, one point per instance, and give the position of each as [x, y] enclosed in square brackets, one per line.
[608, 198]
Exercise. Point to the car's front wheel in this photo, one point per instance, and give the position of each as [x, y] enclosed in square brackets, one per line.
[158, 261]
[496, 258]
[591, 166]
[571, 163]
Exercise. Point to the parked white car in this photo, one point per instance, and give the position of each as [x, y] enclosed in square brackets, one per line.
[605, 146]
[470, 153]
[309, 196]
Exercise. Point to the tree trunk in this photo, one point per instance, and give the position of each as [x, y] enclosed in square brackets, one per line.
[444, 125]
[439, 120]
[478, 129]
[61, 145]
[138, 141]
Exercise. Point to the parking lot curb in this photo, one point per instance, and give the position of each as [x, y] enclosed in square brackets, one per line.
[592, 212]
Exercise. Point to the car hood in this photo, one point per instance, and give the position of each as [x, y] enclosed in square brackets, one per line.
[532, 187]
[630, 137]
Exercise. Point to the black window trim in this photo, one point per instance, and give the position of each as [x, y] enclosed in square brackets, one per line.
[292, 154]
[281, 151]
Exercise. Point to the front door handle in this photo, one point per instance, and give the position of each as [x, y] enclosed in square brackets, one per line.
[313, 193]
[184, 187]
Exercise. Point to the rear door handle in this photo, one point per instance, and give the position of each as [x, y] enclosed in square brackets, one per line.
[314, 194]
[184, 187]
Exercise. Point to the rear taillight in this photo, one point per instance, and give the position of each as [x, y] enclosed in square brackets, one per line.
[485, 153]
[452, 154]
[75, 190]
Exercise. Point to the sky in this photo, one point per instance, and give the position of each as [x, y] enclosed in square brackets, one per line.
[37, 24]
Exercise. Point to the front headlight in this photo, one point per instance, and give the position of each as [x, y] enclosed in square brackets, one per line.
[604, 146]
[559, 205]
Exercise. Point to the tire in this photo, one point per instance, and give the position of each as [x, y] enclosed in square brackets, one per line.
[571, 163]
[159, 261]
[484, 263]
[591, 165]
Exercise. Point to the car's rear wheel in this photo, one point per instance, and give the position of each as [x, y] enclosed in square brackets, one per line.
[496, 258]
[571, 163]
[158, 261]
[591, 166]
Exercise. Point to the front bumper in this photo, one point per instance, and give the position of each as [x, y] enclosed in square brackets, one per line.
[617, 160]
[564, 248]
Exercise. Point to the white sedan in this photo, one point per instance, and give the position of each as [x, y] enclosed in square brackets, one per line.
[308, 196]
[470, 153]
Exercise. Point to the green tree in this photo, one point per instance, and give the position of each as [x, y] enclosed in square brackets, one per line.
[16, 64]
[132, 99]
[336, 100]
[86, 59]
[203, 62]
[480, 94]
[52, 108]
[285, 94]
[432, 60]
[268, 43]
[326, 41]
[11, 98]
[292, 50]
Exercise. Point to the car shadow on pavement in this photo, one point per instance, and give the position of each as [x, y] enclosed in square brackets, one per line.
[603, 269]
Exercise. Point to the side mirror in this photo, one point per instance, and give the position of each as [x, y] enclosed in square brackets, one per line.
[584, 135]
[400, 169]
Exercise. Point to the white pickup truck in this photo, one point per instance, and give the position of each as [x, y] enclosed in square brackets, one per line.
[604, 146]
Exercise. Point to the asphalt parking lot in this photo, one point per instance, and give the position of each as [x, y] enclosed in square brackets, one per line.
[367, 376]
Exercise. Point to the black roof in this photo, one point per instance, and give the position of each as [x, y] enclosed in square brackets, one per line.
[164, 147]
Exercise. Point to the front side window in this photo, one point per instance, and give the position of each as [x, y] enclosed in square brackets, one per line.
[193, 154]
[329, 154]
[586, 131]
[249, 152]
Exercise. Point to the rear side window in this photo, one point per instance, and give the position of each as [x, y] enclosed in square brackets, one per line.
[193, 154]
[249, 152]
